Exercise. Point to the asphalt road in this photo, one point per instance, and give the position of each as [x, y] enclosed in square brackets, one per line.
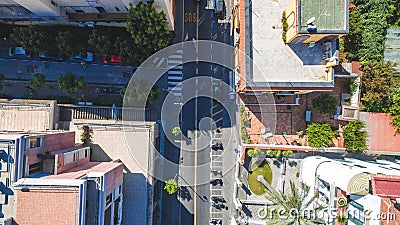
[195, 164]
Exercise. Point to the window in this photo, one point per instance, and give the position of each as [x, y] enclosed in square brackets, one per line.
[108, 199]
[35, 167]
[100, 9]
[69, 158]
[35, 142]
[117, 9]
[78, 9]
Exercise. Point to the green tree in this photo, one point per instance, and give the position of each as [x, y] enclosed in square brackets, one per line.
[38, 81]
[352, 41]
[293, 206]
[103, 42]
[254, 152]
[171, 186]
[395, 107]
[287, 153]
[149, 29]
[355, 137]
[176, 131]
[325, 103]
[319, 135]
[31, 38]
[68, 44]
[377, 81]
[2, 78]
[70, 83]
[139, 92]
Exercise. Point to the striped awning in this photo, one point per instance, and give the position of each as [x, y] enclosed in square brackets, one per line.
[359, 185]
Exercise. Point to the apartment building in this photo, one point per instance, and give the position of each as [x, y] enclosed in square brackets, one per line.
[370, 190]
[49, 167]
[75, 12]
[293, 57]
[89, 194]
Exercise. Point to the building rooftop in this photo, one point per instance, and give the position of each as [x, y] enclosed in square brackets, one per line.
[330, 15]
[83, 170]
[279, 64]
[382, 135]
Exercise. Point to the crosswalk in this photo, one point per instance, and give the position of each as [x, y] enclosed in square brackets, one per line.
[175, 75]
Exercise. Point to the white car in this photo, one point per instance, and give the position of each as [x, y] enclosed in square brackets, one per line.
[13, 51]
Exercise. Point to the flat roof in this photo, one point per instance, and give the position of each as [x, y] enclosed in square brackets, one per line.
[48, 182]
[83, 170]
[330, 15]
[382, 135]
[274, 61]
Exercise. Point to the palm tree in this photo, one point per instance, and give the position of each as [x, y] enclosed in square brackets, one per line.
[293, 208]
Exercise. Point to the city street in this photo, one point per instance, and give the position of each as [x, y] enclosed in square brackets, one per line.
[194, 21]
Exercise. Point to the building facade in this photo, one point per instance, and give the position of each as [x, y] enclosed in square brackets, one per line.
[75, 12]
[364, 192]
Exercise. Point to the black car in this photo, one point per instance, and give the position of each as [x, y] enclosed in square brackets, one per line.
[218, 206]
[216, 222]
[216, 182]
[217, 146]
[218, 199]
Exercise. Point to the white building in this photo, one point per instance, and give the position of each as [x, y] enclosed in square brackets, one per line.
[371, 188]
[75, 12]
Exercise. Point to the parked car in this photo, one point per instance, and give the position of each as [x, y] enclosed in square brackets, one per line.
[217, 146]
[111, 59]
[13, 51]
[218, 206]
[215, 222]
[85, 56]
[216, 182]
[218, 199]
[46, 56]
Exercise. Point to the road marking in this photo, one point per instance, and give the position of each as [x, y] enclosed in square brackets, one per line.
[216, 113]
[195, 157]
[219, 119]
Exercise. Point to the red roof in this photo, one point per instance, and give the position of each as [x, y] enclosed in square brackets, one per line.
[386, 187]
[382, 135]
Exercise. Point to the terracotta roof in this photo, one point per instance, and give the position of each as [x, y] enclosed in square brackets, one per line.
[382, 135]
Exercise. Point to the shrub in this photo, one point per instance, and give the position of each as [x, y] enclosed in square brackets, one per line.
[243, 120]
[86, 135]
[254, 152]
[354, 136]
[171, 186]
[319, 135]
[287, 153]
[325, 103]
[285, 26]
[274, 153]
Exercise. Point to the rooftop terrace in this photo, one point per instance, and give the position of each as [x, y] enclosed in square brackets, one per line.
[275, 62]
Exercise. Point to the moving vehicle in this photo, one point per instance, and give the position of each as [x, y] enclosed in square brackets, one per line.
[14, 51]
[112, 59]
[85, 56]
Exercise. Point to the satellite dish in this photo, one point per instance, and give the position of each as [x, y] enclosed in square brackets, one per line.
[311, 20]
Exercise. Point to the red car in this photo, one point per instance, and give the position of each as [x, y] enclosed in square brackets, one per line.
[113, 59]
